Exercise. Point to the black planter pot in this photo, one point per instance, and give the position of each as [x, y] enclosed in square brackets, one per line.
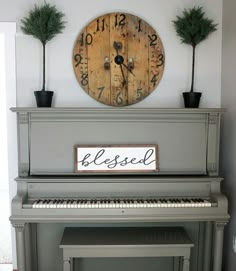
[192, 99]
[43, 98]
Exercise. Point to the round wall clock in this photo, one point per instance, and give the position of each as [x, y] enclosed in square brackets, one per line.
[118, 59]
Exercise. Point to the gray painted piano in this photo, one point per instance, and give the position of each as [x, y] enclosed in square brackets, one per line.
[185, 191]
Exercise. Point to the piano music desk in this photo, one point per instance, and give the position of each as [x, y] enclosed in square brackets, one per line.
[125, 242]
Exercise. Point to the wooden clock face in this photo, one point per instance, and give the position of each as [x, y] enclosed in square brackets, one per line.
[118, 59]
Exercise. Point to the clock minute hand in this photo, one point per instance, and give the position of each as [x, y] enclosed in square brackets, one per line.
[117, 46]
[119, 59]
[128, 69]
[124, 81]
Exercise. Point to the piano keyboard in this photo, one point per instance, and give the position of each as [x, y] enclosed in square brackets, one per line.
[121, 203]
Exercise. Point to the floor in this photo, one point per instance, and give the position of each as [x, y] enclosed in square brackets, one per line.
[5, 231]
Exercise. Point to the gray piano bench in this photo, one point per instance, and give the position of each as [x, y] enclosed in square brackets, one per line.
[125, 242]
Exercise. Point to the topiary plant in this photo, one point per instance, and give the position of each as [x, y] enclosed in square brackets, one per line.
[44, 23]
[193, 27]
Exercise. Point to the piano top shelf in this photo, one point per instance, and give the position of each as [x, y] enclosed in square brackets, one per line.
[118, 110]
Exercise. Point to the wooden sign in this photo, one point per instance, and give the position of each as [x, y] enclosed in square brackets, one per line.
[116, 158]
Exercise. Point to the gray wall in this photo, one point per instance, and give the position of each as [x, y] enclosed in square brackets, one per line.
[229, 127]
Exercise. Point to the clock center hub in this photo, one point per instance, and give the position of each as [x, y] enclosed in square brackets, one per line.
[119, 60]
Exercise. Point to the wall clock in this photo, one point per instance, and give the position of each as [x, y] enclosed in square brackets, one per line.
[118, 59]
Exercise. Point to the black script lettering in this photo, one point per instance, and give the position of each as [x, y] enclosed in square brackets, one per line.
[114, 162]
[147, 156]
[124, 162]
[84, 162]
[132, 161]
[98, 155]
[107, 161]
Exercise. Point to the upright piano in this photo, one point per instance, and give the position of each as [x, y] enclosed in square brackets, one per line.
[185, 191]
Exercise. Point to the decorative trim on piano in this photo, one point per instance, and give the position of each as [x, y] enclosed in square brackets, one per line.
[24, 169]
[212, 169]
[213, 118]
[23, 117]
[19, 227]
[219, 226]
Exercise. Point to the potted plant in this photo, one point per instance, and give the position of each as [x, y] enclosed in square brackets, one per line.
[193, 27]
[44, 23]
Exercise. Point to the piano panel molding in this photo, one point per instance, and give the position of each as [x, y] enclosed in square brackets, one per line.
[23, 118]
[197, 131]
[121, 114]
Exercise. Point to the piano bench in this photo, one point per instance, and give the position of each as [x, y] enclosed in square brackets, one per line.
[99, 242]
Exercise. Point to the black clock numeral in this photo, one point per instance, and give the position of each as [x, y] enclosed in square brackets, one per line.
[139, 26]
[84, 79]
[119, 99]
[100, 89]
[86, 39]
[120, 19]
[161, 60]
[78, 59]
[154, 79]
[100, 25]
[140, 94]
[153, 39]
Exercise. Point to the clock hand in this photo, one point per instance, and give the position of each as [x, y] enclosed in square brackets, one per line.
[124, 81]
[119, 60]
[129, 70]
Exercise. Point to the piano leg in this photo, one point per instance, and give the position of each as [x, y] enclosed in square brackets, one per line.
[218, 246]
[20, 246]
[186, 263]
[66, 264]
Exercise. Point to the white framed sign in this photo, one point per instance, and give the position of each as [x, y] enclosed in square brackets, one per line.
[116, 158]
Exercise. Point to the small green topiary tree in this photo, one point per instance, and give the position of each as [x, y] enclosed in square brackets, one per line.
[193, 27]
[44, 23]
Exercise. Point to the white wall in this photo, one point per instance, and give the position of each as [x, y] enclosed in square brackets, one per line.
[8, 30]
[229, 127]
[158, 13]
